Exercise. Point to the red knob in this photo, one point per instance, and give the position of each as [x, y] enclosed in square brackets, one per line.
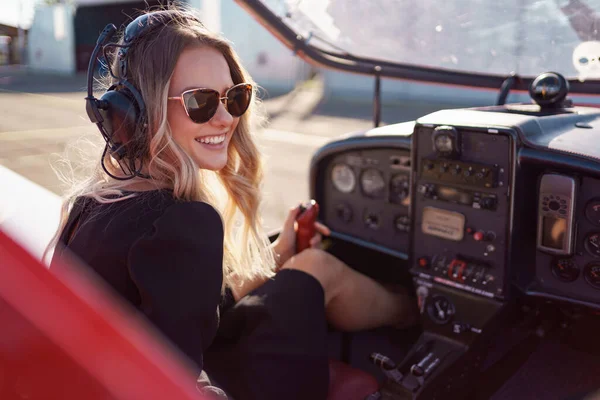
[479, 236]
[423, 262]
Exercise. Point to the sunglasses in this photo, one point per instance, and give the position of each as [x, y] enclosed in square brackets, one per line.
[202, 104]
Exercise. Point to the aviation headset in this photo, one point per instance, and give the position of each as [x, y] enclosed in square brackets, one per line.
[120, 113]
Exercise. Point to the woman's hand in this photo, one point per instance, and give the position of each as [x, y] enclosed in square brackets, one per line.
[285, 245]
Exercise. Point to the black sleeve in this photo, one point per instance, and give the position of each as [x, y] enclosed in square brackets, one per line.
[178, 269]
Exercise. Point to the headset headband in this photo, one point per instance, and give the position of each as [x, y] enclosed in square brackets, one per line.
[120, 113]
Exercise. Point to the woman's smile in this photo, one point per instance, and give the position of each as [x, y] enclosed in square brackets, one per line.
[212, 142]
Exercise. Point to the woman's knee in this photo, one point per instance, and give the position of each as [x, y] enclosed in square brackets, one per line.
[324, 267]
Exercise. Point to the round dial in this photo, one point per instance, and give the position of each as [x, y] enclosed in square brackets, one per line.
[440, 309]
[592, 211]
[400, 189]
[343, 178]
[372, 183]
[443, 143]
[592, 243]
[565, 269]
[591, 273]
[446, 141]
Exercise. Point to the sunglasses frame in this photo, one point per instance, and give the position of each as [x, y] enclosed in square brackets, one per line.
[182, 100]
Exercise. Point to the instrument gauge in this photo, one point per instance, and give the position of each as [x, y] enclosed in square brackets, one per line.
[446, 141]
[591, 273]
[443, 144]
[440, 309]
[592, 211]
[592, 243]
[400, 189]
[372, 183]
[565, 269]
[343, 178]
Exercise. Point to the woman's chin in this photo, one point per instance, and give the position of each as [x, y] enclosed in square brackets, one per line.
[214, 164]
[213, 160]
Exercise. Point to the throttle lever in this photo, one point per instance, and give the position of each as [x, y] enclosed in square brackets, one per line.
[387, 366]
[306, 225]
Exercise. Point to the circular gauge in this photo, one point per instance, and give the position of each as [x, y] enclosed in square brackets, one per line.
[400, 189]
[443, 143]
[343, 178]
[440, 309]
[372, 183]
[592, 211]
[565, 269]
[592, 243]
[446, 141]
[591, 273]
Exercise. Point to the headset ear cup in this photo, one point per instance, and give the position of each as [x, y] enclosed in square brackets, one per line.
[120, 116]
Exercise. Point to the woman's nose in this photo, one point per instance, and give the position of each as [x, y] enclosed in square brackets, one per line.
[222, 116]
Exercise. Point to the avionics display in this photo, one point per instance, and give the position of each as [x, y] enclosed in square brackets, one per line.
[454, 195]
[554, 230]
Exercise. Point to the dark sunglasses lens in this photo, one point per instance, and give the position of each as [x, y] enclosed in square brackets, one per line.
[238, 99]
[202, 105]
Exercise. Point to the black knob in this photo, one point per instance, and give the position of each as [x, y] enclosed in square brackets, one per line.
[372, 221]
[488, 203]
[344, 212]
[426, 190]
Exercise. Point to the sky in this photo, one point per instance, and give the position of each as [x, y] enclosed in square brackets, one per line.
[11, 15]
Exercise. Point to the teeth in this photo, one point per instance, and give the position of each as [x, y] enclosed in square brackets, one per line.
[212, 139]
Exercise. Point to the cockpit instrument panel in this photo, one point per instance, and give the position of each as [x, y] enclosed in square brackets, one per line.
[366, 196]
[574, 274]
[462, 207]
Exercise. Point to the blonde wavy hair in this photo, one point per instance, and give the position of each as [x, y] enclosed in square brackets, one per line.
[247, 254]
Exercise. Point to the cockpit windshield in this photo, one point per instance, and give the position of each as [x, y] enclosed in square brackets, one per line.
[525, 37]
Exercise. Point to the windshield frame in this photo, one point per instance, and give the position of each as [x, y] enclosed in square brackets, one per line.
[307, 49]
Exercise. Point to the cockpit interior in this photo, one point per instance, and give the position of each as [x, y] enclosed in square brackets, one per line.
[492, 214]
[488, 215]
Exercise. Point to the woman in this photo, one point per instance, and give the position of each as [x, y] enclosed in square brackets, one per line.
[252, 314]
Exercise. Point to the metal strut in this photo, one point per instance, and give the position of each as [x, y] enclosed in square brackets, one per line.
[377, 97]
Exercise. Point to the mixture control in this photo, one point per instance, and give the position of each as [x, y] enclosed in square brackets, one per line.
[387, 366]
